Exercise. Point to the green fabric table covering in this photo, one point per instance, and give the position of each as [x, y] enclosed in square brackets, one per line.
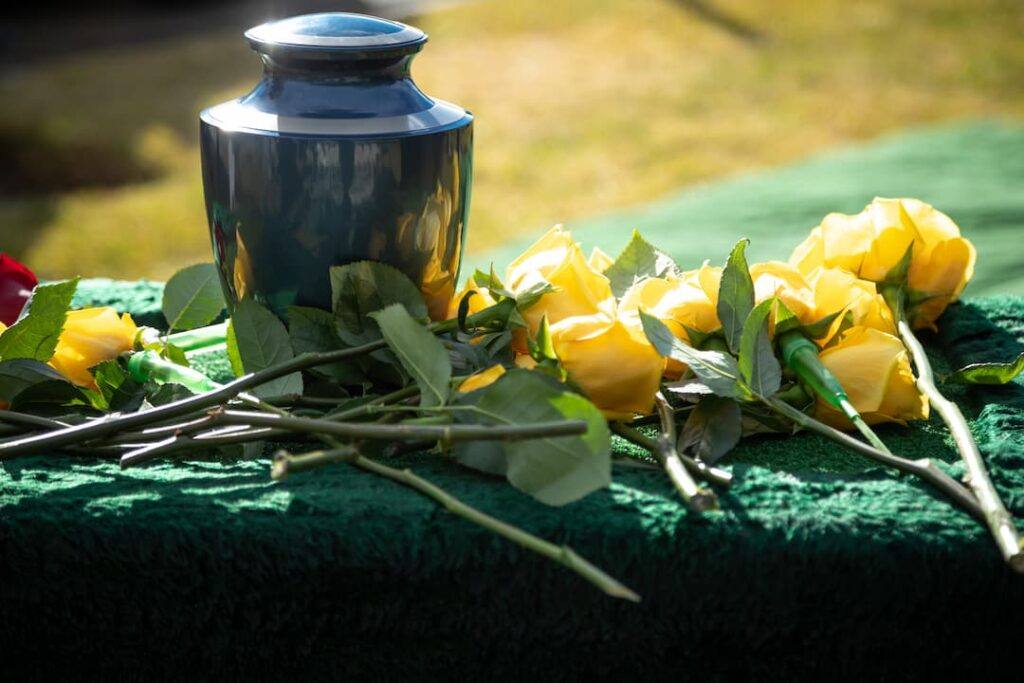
[818, 563]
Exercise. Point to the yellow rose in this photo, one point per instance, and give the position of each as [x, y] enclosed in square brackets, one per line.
[874, 369]
[611, 361]
[91, 336]
[685, 302]
[478, 302]
[481, 379]
[871, 243]
[839, 291]
[781, 280]
[556, 259]
[599, 260]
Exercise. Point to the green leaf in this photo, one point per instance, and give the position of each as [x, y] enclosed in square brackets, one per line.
[556, 470]
[735, 295]
[419, 351]
[161, 394]
[35, 334]
[690, 388]
[758, 366]
[234, 355]
[174, 354]
[639, 260]
[712, 429]
[262, 342]
[716, 369]
[545, 345]
[988, 373]
[819, 328]
[116, 389]
[897, 275]
[528, 297]
[698, 339]
[193, 297]
[492, 283]
[315, 330]
[785, 319]
[360, 288]
[20, 374]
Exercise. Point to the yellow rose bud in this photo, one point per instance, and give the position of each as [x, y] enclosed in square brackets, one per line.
[478, 302]
[599, 260]
[611, 361]
[91, 336]
[874, 369]
[781, 280]
[481, 379]
[839, 291]
[873, 242]
[556, 259]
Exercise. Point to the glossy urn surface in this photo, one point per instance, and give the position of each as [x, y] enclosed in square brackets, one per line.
[335, 156]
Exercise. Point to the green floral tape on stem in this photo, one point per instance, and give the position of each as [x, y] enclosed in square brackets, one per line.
[801, 354]
[148, 365]
[199, 338]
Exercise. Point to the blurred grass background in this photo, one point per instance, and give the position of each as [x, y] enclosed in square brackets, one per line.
[583, 107]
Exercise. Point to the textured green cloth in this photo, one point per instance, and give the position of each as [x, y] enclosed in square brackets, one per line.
[973, 171]
[817, 563]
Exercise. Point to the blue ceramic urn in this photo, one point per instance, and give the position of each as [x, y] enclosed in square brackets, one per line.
[335, 156]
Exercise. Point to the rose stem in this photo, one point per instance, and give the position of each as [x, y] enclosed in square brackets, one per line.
[699, 499]
[563, 555]
[712, 475]
[923, 468]
[995, 514]
[116, 423]
[407, 432]
[12, 417]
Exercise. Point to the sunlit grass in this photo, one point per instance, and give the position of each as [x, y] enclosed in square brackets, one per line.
[582, 107]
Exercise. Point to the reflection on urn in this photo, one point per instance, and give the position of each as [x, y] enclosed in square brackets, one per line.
[335, 156]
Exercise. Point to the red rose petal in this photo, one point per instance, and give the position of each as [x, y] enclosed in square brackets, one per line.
[16, 283]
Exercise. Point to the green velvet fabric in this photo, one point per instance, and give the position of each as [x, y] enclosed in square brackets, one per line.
[818, 562]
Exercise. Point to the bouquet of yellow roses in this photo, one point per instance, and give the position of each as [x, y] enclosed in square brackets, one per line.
[527, 376]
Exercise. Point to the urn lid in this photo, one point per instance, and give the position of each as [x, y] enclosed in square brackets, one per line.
[335, 35]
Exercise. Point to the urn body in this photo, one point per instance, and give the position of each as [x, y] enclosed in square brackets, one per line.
[335, 156]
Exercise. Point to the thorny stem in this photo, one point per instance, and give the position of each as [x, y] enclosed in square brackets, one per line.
[712, 475]
[923, 468]
[994, 513]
